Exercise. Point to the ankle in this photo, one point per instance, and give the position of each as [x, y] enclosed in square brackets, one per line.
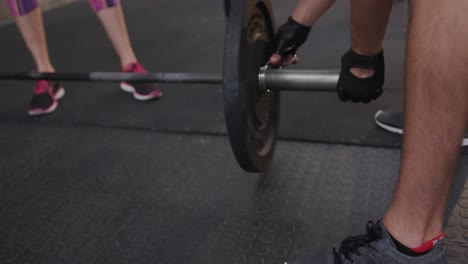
[128, 66]
[409, 232]
[45, 68]
[126, 60]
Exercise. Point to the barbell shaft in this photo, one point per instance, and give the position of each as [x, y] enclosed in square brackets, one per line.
[269, 79]
[298, 80]
[160, 77]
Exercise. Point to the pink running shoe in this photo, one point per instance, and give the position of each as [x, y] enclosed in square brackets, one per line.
[141, 91]
[45, 99]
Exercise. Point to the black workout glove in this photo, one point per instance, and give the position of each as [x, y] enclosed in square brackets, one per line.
[364, 90]
[290, 36]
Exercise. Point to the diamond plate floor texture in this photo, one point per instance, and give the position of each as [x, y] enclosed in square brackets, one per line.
[99, 195]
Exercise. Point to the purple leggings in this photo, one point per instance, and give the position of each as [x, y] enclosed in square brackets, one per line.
[24, 7]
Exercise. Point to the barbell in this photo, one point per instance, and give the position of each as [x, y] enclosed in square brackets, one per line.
[251, 90]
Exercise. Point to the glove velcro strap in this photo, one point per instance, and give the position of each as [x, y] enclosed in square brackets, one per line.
[351, 59]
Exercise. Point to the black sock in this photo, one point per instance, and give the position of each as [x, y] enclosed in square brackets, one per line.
[406, 250]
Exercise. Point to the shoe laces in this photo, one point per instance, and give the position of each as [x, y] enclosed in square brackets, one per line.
[352, 244]
[41, 87]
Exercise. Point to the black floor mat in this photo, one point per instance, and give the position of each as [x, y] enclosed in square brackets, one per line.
[90, 195]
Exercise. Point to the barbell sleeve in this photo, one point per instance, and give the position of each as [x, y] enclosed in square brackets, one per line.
[298, 80]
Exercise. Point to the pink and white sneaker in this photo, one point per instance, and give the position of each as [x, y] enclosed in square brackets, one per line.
[45, 99]
[141, 91]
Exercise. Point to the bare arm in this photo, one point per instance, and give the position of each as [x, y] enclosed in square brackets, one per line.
[307, 12]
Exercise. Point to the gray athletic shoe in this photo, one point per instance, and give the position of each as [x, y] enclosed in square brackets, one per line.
[374, 247]
[393, 122]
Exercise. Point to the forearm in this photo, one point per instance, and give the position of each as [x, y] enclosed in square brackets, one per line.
[368, 23]
[307, 12]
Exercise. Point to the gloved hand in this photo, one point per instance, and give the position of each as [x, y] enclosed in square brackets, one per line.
[290, 36]
[350, 87]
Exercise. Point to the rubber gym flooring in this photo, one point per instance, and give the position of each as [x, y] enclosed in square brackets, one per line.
[108, 180]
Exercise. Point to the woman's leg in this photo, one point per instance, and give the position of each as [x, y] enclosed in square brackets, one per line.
[28, 18]
[111, 16]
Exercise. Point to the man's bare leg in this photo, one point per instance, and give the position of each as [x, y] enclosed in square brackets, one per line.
[436, 113]
[32, 30]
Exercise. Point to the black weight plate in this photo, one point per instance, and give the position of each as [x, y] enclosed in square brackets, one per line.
[251, 115]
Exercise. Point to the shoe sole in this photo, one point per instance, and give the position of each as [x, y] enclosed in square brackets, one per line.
[129, 89]
[39, 111]
[60, 94]
[386, 127]
[399, 130]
